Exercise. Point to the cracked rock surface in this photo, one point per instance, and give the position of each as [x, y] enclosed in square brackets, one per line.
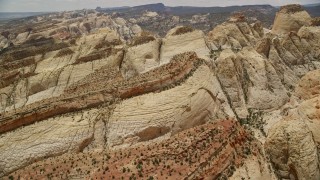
[86, 95]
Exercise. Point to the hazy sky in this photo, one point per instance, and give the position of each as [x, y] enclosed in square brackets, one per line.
[61, 5]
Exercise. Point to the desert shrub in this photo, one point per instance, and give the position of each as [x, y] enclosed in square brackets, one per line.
[64, 52]
[142, 40]
[99, 14]
[5, 34]
[183, 30]
[52, 33]
[17, 55]
[149, 56]
[53, 47]
[29, 29]
[73, 41]
[315, 21]
[87, 26]
[291, 8]
[146, 33]
[38, 47]
[102, 44]
[239, 17]
[90, 57]
[19, 63]
[32, 51]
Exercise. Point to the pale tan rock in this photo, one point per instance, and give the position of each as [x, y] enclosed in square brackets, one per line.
[141, 58]
[254, 168]
[21, 37]
[120, 21]
[292, 150]
[4, 42]
[19, 95]
[250, 81]
[67, 133]
[195, 102]
[309, 86]
[176, 44]
[287, 21]
[151, 14]
[5, 99]
[219, 36]
[252, 69]
[311, 39]
[136, 29]
[229, 74]
[265, 90]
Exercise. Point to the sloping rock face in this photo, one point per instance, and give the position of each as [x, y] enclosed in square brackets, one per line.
[298, 133]
[199, 153]
[44, 76]
[186, 40]
[143, 56]
[290, 18]
[293, 151]
[55, 136]
[193, 103]
[86, 91]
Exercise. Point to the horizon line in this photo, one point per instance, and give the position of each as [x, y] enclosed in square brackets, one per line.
[55, 11]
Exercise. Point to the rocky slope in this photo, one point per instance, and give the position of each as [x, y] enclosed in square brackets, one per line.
[192, 157]
[76, 92]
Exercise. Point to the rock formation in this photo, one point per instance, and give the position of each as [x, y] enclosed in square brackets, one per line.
[290, 18]
[89, 95]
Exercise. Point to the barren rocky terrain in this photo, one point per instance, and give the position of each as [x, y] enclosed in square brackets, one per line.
[91, 95]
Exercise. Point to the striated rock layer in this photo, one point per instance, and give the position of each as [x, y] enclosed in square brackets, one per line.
[85, 95]
[214, 150]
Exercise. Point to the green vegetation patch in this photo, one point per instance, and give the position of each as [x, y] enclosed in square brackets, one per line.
[142, 40]
[183, 30]
[315, 21]
[64, 52]
[291, 8]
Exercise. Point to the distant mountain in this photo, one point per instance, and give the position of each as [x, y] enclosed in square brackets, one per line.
[15, 15]
[313, 10]
[184, 10]
[159, 7]
[311, 5]
[112, 8]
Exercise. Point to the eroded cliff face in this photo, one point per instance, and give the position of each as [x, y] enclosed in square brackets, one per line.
[297, 133]
[100, 89]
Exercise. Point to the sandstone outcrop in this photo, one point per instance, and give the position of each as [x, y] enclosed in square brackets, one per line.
[293, 151]
[298, 134]
[143, 56]
[193, 103]
[96, 87]
[199, 153]
[190, 40]
[290, 18]
[309, 86]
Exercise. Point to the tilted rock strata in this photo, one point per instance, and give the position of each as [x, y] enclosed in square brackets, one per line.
[199, 153]
[141, 58]
[191, 41]
[113, 95]
[52, 137]
[74, 100]
[197, 101]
